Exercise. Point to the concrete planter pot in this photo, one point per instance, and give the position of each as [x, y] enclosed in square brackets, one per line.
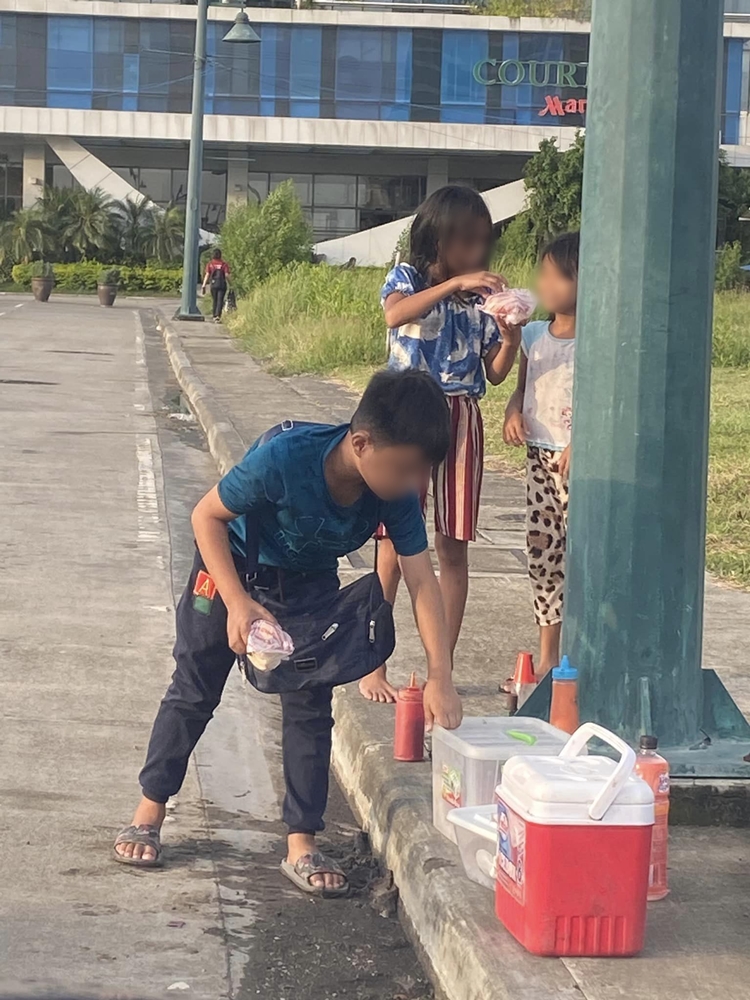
[107, 294]
[42, 288]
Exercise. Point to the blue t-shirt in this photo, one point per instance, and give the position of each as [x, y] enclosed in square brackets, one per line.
[281, 483]
[449, 341]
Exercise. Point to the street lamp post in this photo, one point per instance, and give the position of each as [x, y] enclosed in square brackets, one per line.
[241, 31]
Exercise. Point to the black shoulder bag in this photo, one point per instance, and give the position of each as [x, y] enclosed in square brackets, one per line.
[339, 636]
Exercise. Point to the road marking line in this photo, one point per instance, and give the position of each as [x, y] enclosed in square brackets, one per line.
[20, 305]
[146, 496]
[2, 314]
[147, 499]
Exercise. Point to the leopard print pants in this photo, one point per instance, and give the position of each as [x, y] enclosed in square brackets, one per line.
[546, 528]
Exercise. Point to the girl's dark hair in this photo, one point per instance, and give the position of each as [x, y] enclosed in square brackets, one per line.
[437, 220]
[563, 252]
[217, 254]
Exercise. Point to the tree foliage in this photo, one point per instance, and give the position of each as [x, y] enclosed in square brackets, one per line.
[734, 201]
[729, 273]
[577, 10]
[23, 237]
[517, 243]
[259, 240]
[554, 182]
[136, 226]
[91, 222]
[69, 225]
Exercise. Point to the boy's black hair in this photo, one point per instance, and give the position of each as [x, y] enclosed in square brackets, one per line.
[437, 220]
[217, 254]
[563, 252]
[405, 408]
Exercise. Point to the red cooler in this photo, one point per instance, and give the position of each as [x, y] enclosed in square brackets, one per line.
[574, 840]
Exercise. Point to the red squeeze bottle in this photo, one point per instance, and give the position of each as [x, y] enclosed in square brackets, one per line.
[408, 743]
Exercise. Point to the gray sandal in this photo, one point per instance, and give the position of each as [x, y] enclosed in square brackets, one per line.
[315, 864]
[146, 835]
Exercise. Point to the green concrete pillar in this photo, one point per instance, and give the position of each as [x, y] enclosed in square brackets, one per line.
[635, 565]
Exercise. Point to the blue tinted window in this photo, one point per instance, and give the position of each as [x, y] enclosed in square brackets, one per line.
[70, 54]
[403, 66]
[68, 99]
[130, 73]
[269, 40]
[359, 64]
[304, 63]
[730, 119]
[232, 77]
[462, 50]
[8, 56]
[108, 35]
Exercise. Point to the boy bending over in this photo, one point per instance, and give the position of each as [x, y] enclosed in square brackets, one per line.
[314, 493]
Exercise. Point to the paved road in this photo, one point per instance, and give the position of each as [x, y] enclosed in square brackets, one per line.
[98, 473]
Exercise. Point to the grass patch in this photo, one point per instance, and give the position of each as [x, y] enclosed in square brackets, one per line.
[327, 321]
[314, 319]
[731, 342]
[728, 527]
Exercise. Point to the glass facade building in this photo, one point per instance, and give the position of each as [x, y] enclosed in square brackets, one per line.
[456, 98]
[307, 71]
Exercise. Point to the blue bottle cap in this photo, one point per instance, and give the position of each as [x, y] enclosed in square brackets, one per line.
[564, 672]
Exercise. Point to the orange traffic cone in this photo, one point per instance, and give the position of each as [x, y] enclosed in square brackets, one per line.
[524, 672]
[524, 679]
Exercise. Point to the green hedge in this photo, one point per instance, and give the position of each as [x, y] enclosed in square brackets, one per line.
[83, 277]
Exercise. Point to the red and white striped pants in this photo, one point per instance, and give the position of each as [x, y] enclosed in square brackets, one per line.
[457, 481]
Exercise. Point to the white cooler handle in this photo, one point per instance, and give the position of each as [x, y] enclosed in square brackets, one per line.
[619, 776]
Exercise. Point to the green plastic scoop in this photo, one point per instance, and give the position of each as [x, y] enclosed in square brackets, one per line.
[526, 738]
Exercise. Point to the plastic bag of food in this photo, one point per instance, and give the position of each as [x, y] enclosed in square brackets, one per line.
[268, 644]
[512, 307]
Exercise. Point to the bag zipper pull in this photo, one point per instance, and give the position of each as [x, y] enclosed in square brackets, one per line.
[329, 631]
[372, 631]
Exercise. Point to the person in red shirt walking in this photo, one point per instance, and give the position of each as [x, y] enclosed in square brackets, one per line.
[217, 278]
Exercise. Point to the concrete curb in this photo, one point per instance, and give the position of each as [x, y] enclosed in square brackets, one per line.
[449, 919]
[224, 442]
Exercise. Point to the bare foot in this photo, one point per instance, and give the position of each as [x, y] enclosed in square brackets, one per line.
[299, 844]
[375, 687]
[148, 813]
[542, 669]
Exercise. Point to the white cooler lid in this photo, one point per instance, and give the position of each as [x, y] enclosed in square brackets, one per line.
[558, 790]
[499, 737]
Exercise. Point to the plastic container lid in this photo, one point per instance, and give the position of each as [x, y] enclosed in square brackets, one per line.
[481, 820]
[499, 737]
[649, 743]
[564, 672]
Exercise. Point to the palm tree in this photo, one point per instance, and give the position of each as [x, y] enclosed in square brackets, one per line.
[56, 210]
[23, 236]
[137, 229]
[92, 221]
[169, 230]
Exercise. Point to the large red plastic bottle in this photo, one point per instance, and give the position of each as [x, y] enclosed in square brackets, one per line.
[563, 713]
[408, 743]
[654, 770]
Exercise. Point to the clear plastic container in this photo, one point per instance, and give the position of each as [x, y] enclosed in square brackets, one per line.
[467, 762]
[476, 832]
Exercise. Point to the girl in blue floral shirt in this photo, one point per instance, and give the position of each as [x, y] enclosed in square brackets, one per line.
[432, 310]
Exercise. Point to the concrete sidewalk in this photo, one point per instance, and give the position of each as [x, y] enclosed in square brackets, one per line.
[471, 956]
